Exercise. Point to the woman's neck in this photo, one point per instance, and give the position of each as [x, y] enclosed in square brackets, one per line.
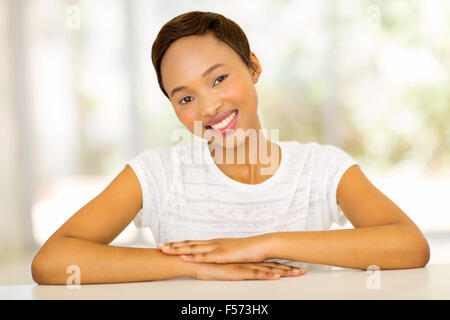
[253, 161]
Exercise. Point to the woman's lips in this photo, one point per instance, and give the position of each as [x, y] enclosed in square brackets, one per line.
[219, 118]
[230, 126]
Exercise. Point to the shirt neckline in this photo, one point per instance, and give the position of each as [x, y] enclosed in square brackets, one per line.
[244, 186]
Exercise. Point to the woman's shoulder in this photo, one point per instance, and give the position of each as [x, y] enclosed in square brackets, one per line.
[152, 152]
[299, 147]
[169, 154]
[314, 146]
[309, 144]
[319, 154]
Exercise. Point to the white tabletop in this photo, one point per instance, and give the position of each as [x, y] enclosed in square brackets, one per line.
[431, 282]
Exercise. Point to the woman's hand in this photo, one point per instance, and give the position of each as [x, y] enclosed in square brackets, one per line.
[246, 271]
[226, 250]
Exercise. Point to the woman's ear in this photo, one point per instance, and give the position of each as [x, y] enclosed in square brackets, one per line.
[256, 70]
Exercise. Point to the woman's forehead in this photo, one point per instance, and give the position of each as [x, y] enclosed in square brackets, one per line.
[193, 55]
[194, 49]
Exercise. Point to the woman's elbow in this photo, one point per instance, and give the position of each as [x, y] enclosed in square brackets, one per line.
[40, 270]
[37, 270]
[424, 253]
[418, 254]
[416, 249]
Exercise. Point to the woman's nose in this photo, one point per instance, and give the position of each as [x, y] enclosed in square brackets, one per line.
[211, 107]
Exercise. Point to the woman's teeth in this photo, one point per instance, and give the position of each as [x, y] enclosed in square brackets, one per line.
[222, 124]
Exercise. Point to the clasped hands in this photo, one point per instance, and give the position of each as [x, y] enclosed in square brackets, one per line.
[248, 252]
[226, 250]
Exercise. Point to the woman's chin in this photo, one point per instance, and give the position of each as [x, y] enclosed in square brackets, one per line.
[226, 142]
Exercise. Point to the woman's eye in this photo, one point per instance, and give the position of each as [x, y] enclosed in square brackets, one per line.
[222, 76]
[184, 99]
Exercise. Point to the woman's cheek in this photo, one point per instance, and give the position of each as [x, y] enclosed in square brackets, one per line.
[240, 94]
[190, 122]
[233, 91]
[187, 117]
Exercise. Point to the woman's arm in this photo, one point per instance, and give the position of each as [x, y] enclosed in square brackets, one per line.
[393, 246]
[383, 236]
[102, 263]
[83, 241]
[99, 263]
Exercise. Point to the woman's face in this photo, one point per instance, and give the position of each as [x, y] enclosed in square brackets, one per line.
[202, 96]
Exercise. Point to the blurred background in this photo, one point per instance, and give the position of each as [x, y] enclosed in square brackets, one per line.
[79, 97]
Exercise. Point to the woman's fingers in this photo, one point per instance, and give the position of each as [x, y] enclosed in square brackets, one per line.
[283, 270]
[236, 271]
[187, 249]
[276, 264]
[263, 272]
[263, 275]
[241, 271]
[248, 272]
[183, 243]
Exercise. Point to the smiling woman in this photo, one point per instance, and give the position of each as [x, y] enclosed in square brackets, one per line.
[218, 87]
[233, 220]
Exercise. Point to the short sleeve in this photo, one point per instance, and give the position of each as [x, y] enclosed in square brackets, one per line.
[333, 162]
[151, 173]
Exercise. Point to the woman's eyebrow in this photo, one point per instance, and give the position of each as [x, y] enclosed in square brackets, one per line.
[208, 71]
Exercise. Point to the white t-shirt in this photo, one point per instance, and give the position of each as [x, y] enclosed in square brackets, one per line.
[187, 197]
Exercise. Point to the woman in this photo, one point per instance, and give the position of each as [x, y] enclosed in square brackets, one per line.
[236, 217]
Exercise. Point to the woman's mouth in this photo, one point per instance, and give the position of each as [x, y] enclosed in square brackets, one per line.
[226, 124]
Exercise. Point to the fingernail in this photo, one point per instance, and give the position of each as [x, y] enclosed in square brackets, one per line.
[296, 270]
[276, 275]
